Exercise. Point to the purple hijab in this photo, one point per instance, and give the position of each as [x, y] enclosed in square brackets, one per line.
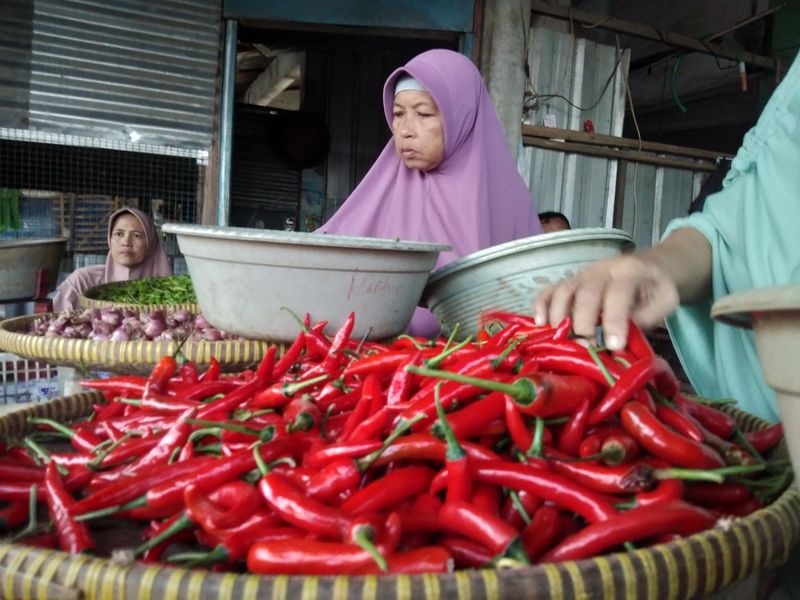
[475, 198]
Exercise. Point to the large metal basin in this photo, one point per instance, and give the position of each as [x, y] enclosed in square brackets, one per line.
[29, 268]
[509, 276]
[245, 279]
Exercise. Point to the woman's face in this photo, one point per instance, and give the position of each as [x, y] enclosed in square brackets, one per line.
[417, 129]
[128, 241]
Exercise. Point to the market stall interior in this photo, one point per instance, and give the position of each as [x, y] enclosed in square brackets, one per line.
[261, 412]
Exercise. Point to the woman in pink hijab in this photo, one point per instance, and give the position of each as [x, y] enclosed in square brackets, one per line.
[134, 252]
[446, 175]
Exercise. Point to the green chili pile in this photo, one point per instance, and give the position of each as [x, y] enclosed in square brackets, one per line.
[176, 289]
[349, 457]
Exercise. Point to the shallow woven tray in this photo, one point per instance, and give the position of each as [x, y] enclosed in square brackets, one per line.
[89, 300]
[697, 566]
[134, 357]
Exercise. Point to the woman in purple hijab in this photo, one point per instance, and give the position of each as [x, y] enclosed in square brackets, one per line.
[134, 252]
[446, 175]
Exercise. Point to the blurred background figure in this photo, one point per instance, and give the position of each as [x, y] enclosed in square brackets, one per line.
[553, 221]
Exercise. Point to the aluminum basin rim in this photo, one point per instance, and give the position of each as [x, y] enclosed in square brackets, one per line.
[297, 238]
[541, 241]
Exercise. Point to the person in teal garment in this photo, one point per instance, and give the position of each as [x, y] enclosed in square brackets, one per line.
[747, 236]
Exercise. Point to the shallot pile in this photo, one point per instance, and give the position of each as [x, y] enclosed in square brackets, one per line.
[122, 325]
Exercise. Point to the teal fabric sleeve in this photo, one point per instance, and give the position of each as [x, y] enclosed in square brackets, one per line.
[753, 226]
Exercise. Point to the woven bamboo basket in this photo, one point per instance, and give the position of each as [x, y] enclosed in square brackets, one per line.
[133, 357]
[711, 563]
[89, 300]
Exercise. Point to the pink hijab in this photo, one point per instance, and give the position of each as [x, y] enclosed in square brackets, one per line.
[155, 264]
[475, 198]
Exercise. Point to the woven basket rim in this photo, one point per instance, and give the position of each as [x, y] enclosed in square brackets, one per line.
[124, 357]
[778, 524]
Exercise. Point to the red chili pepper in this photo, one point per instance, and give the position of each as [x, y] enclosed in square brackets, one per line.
[473, 419]
[518, 429]
[402, 381]
[467, 553]
[422, 403]
[73, 537]
[130, 448]
[512, 318]
[741, 509]
[389, 490]
[289, 358]
[213, 371]
[459, 484]
[279, 394]
[637, 342]
[605, 479]
[174, 438]
[547, 485]
[311, 557]
[159, 377]
[559, 395]
[765, 439]
[127, 386]
[572, 365]
[630, 382]
[563, 330]
[715, 421]
[340, 475]
[619, 448]
[301, 414]
[421, 446]
[266, 366]
[487, 497]
[465, 519]
[232, 503]
[19, 491]
[679, 422]
[233, 547]
[667, 490]
[541, 533]
[635, 524]
[231, 400]
[11, 470]
[712, 494]
[160, 535]
[206, 389]
[214, 474]
[319, 457]
[13, 515]
[664, 443]
[426, 559]
[510, 512]
[590, 445]
[569, 440]
[371, 389]
[188, 373]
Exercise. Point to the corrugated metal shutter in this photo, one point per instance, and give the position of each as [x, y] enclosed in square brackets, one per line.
[262, 187]
[111, 71]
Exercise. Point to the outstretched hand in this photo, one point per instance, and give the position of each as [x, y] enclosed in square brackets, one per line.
[610, 292]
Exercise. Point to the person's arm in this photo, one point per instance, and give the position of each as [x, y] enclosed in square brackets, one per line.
[645, 286]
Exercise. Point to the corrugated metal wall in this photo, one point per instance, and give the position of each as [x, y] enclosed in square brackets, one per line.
[582, 187]
[567, 69]
[653, 197]
[128, 70]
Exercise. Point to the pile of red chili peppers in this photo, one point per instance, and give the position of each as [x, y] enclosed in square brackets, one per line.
[345, 457]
